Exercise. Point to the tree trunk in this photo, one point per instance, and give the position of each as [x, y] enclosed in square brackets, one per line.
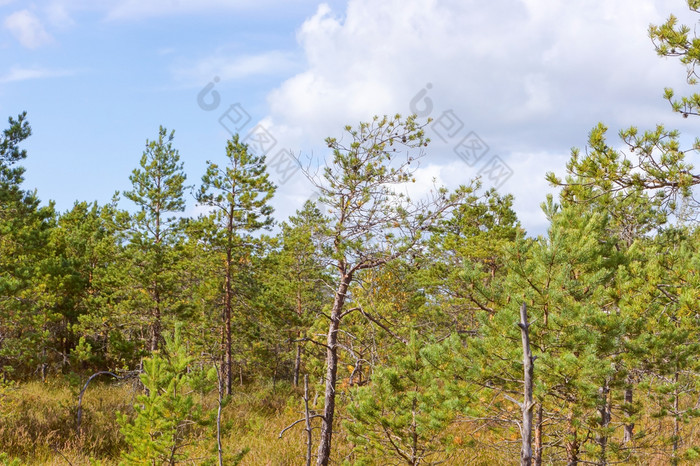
[538, 436]
[324, 447]
[676, 423]
[414, 434]
[628, 434]
[307, 417]
[155, 326]
[227, 359]
[297, 360]
[572, 445]
[297, 363]
[605, 415]
[528, 369]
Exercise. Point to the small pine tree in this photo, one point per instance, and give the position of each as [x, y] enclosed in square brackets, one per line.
[165, 413]
[404, 413]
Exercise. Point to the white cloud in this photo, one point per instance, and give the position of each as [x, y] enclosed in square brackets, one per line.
[139, 9]
[27, 29]
[22, 74]
[225, 67]
[529, 76]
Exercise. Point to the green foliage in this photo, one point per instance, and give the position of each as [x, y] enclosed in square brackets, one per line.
[27, 299]
[403, 413]
[465, 263]
[237, 197]
[673, 40]
[5, 460]
[158, 191]
[611, 289]
[10, 152]
[239, 192]
[166, 414]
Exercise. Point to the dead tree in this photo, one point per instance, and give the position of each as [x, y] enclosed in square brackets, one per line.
[527, 404]
[308, 417]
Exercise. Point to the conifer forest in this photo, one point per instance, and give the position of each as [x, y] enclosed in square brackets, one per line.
[368, 328]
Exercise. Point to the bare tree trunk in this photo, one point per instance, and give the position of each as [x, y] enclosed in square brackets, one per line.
[297, 360]
[307, 416]
[324, 447]
[297, 363]
[676, 423]
[528, 369]
[571, 444]
[227, 358]
[604, 411]
[538, 436]
[219, 449]
[42, 366]
[414, 435]
[277, 367]
[155, 325]
[628, 433]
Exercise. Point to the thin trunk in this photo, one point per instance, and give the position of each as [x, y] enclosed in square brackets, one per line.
[628, 433]
[307, 415]
[277, 367]
[155, 327]
[219, 449]
[227, 365]
[528, 369]
[64, 345]
[227, 359]
[572, 444]
[538, 436]
[324, 447]
[297, 360]
[604, 411]
[42, 366]
[414, 433]
[676, 423]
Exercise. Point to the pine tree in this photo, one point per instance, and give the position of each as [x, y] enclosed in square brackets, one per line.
[81, 246]
[295, 285]
[403, 413]
[372, 222]
[27, 306]
[463, 266]
[565, 279]
[166, 413]
[237, 195]
[158, 190]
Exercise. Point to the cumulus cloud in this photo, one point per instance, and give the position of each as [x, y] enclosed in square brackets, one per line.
[27, 29]
[528, 77]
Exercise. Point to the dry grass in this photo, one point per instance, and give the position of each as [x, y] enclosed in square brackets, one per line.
[39, 427]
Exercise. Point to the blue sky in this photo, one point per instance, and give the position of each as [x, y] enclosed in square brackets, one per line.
[524, 80]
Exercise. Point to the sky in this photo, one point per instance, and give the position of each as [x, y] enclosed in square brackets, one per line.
[511, 85]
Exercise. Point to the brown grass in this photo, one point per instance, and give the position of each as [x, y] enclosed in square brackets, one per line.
[39, 427]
